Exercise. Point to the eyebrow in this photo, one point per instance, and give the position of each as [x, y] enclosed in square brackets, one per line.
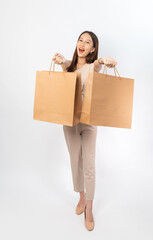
[87, 39]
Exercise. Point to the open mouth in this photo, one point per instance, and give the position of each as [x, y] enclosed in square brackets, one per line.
[81, 50]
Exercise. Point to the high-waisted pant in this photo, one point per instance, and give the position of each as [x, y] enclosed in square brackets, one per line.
[81, 143]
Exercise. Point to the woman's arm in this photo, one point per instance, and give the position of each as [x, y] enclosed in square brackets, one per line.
[60, 59]
[66, 63]
[108, 61]
[97, 64]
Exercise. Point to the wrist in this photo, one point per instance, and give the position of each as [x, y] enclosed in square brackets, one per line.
[64, 61]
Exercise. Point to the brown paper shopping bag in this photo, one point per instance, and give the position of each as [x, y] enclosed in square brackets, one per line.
[108, 100]
[57, 97]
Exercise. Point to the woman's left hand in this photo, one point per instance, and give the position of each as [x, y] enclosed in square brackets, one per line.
[108, 61]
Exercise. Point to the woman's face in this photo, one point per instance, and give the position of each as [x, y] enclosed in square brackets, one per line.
[85, 44]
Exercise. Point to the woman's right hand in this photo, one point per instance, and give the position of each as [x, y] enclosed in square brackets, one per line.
[59, 58]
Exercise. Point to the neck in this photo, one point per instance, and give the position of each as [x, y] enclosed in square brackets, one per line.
[81, 60]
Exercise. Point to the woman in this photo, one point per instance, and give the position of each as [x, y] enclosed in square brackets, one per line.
[81, 138]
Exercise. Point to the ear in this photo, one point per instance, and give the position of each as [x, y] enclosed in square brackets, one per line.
[93, 49]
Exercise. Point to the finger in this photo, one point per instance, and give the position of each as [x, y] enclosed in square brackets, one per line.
[58, 58]
[54, 58]
[56, 54]
[110, 65]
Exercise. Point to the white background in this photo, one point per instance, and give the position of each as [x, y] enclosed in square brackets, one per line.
[37, 200]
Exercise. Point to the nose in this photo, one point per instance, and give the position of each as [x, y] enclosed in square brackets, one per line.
[82, 46]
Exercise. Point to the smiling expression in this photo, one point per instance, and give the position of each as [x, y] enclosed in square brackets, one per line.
[84, 45]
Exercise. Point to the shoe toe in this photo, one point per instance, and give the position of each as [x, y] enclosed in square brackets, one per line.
[89, 225]
[79, 210]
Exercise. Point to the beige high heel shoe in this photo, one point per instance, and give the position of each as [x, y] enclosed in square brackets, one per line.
[80, 210]
[89, 225]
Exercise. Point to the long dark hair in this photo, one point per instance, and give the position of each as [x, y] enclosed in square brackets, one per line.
[90, 58]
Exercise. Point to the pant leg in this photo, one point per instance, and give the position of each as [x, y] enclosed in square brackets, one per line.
[89, 135]
[73, 141]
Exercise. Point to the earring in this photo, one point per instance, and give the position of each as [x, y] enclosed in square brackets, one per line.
[91, 52]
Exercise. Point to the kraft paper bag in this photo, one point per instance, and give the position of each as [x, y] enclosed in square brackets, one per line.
[57, 97]
[108, 100]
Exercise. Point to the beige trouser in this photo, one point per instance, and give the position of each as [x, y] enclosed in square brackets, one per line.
[81, 143]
